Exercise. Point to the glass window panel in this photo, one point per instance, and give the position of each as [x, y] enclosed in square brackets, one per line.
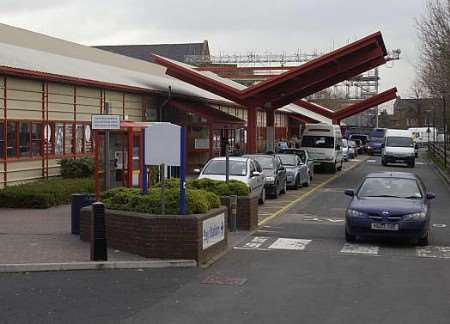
[59, 138]
[36, 139]
[24, 138]
[79, 138]
[12, 140]
[2, 140]
[69, 139]
[87, 139]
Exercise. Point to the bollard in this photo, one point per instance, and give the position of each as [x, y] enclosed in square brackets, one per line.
[233, 213]
[98, 233]
[79, 200]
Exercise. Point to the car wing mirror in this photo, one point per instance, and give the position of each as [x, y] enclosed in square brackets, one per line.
[255, 173]
[197, 171]
[382, 145]
[430, 195]
[349, 192]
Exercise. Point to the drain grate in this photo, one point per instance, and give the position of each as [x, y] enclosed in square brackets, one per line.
[224, 281]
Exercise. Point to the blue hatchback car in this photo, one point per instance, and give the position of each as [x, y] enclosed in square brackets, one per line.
[393, 204]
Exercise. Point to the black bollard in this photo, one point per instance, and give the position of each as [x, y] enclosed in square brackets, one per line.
[98, 233]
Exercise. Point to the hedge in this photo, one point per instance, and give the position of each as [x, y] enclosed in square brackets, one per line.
[197, 201]
[77, 168]
[220, 188]
[44, 193]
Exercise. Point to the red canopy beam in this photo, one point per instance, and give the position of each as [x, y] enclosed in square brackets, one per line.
[315, 108]
[365, 104]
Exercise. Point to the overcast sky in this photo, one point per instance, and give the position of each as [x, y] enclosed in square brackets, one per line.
[231, 26]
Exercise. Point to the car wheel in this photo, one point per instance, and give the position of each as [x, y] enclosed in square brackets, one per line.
[349, 238]
[423, 241]
[333, 168]
[284, 190]
[308, 181]
[262, 198]
[297, 183]
[340, 167]
[383, 162]
[412, 164]
[276, 192]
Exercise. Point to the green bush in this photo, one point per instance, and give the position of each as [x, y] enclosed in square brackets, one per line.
[217, 187]
[77, 168]
[44, 193]
[197, 201]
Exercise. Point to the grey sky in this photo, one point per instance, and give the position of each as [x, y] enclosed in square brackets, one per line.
[231, 26]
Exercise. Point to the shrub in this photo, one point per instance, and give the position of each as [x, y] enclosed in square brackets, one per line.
[45, 193]
[220, 188]
[197, 201]
[77, 168]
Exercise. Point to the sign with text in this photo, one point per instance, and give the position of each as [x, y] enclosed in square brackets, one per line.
[162, 144]
[213, 230]
[105, 121]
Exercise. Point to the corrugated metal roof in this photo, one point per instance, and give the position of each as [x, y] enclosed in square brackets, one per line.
[294, 109]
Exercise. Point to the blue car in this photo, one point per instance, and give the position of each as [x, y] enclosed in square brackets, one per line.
[392, 204]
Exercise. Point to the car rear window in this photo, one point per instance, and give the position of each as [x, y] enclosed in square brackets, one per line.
[288, 159]
[266, 162]
[217, 167]
[390, 187]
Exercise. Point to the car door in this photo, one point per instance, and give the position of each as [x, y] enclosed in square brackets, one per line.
[252, 180]
[261, 178]
[281, 172]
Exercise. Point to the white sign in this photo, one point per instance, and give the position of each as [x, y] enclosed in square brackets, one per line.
[162, 144]
[201, 143]
[213, 230]
[105, 121]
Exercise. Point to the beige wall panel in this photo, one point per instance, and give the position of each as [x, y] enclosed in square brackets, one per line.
[87, 110]
[53, 98]
[60, 107]
[53, 172]
[21, 165]
[85, 117]
[93, 93]
[60, 116]
[23, 84]
[113, 96]
[24, 105]
[133, 98]
[95, 102]
[24, 114]
[23, 95]
[24, 175]
[57, 88]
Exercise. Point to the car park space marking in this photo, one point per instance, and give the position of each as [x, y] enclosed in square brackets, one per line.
[256, 242]
[289, 244]
[349, 248]
[439, 225]
[371, 161]
[420, 163]
[440, 252]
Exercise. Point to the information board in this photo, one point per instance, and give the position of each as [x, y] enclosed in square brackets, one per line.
[162, 144]
[105, 121]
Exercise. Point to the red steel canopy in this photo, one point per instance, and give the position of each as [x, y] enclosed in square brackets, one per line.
[313, 76]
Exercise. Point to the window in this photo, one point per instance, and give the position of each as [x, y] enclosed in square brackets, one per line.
[69, 140]
[2, 140]
[217, 167]
[12, 139]
[79, 139]
[24, 138]
[36, 138]
[59, 138]
[87, 139]
[318, 141]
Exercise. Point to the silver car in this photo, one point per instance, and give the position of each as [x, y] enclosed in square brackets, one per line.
[241, 169]
[296, 170]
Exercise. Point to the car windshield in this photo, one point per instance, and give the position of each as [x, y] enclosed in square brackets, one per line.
[378, 139]
[362, 138]
[302, 155]
[217, 167]
[398, 141]
[390, 187]
[288, 159]
[318, 141]
[266, 162]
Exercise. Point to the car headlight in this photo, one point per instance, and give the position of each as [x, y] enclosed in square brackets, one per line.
[355, 213]
[415, 216]
[270, 179]
[369, 147]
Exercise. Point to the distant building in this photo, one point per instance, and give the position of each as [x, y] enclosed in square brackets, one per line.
[420, 112]
[177, 52]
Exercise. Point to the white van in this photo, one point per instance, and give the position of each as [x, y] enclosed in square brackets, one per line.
[398, 147]
[324, 145]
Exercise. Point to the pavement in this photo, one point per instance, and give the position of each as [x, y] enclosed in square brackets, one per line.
[297, 268]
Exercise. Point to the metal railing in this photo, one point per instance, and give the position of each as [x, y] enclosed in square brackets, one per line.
[440, 153]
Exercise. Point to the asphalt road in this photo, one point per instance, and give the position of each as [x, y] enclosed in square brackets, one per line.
[295, 269]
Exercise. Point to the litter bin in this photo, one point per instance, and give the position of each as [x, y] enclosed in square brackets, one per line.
[79, 200]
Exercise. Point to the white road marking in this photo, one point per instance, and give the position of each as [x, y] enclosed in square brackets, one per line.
[256, 242]
[289, 244]
[335, 220]
[439, 225]
[313, 219]
[441, 252]
[420, 163]
[354, 160]
[371, 161]
[360, 249]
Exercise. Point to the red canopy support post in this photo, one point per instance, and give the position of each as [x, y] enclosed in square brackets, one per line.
[130, 156]
[270, 130]
[335, 121]
[251, 130]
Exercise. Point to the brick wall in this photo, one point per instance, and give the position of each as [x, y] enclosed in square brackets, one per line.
[247, 212]
[156, 236]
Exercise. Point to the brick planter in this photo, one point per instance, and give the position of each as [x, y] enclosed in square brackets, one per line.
[247, 212]
[161, 236]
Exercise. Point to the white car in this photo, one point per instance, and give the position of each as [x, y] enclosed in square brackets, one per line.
[242, 169]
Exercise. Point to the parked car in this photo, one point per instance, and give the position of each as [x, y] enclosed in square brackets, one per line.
[296, 170]
[398, 147]
[241, 169]
[376, 139]
[363, 141]
[359, 146]
[345, 149]
[304, 156]
[353, 149]
[274, 171]
[394, 204]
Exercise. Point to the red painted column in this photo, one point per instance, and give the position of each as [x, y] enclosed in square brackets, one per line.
[270, 130]
[130, 156]
[335, 121]
[251, 130]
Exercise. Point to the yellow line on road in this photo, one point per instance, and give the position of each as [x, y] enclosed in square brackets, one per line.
[306, 194]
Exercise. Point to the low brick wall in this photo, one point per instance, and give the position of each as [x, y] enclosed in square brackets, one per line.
[247, 212]
[158, 236]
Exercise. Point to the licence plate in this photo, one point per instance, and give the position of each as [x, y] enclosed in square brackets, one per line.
[384, 227]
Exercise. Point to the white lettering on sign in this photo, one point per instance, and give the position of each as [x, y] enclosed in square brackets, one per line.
[213, 230]
[105, 121]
